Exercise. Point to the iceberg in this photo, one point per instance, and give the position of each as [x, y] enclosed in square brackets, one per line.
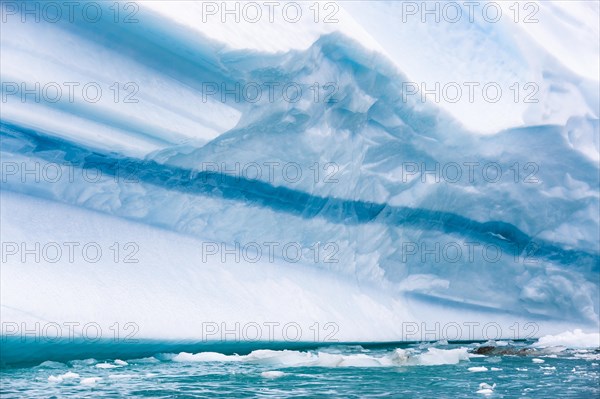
[176, 181]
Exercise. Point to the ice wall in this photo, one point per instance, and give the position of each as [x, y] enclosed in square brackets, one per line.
[421, 211]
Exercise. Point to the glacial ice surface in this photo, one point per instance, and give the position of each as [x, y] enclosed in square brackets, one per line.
[368, 130]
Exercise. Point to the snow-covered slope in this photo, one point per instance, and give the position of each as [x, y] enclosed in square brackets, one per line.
[420, 211]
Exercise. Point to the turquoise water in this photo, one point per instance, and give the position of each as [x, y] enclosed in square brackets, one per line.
[346, 371]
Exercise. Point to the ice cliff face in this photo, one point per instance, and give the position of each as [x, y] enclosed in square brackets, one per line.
[400, 209]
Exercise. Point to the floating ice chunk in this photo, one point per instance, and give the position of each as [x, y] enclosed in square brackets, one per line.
[537, 360]
[587, 356]
[486, 389]
[477, 369]
[120, 362]
[272, 374]
[120, 376]
[434, 357]
[69, 375]
[60, 378]
[358, 360]
[291, 358]
[400, 356]
[205, 357]
[106, 366]
[90, 380]
[571, 339]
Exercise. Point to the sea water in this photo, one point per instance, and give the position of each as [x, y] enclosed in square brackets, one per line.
[428, 370]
